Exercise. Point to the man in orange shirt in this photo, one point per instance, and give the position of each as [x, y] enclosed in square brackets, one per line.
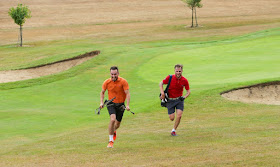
[117, 87]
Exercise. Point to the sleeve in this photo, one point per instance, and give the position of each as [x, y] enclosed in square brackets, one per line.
[125, 85]
[165, 81]
[187, 86]
[104, 85]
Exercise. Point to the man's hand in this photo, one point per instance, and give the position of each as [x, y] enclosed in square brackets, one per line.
[101, 105]
[182, 98]
[162, 96]
[127, 108]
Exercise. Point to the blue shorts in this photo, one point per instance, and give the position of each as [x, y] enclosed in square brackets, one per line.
[171, 105]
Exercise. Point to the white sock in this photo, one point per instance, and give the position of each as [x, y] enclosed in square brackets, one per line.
[111, 138]
[173, 130]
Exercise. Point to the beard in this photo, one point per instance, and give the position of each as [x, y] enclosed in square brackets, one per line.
[114, 78]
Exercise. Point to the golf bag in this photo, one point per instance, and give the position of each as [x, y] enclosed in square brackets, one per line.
[165, 100]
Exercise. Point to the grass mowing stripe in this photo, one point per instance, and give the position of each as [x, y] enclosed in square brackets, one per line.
[220, 64]
[212, 128]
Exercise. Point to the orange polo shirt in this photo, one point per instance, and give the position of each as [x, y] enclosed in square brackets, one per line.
[116, 89]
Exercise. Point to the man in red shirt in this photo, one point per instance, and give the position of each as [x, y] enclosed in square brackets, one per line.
[117, 87]
[175, 93]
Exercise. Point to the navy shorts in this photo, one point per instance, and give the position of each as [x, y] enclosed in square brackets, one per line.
[171, 105]
[117, 109]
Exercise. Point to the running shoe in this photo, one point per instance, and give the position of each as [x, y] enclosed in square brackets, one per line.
[110, 145]
[115, 135]
[173, 133]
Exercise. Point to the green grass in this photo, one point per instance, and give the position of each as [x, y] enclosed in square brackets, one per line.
[50, 120]
[220, 64]
[40, 53]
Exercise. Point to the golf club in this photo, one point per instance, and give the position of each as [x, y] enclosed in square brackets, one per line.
[123, 107]
[97, 111]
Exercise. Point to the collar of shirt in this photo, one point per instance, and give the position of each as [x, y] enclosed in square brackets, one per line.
[177, 78]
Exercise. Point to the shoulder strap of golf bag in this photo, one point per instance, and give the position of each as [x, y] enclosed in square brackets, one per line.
[167, 87]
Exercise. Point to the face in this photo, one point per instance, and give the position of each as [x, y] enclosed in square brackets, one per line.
[114, 75]
[178, 72]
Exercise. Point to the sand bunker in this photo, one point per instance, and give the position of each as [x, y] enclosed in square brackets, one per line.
[47, 69]
[265, 93]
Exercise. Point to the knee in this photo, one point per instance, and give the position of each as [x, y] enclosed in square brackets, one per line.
[171, 117]
[179, 115]
[112, 121]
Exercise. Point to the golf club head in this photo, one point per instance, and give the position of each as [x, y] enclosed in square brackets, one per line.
[97, 111]
[123, 107]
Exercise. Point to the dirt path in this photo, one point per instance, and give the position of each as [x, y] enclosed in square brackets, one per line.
[53, 68]
[266, 93]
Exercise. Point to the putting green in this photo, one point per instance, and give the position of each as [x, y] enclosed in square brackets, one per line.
[219, 64]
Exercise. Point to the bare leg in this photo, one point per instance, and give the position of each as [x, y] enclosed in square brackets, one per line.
[178, 118]
[117, 125]
[112, 124]
[172, 116]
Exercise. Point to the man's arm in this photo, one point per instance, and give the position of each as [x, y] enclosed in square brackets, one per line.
[188, 93]
[161, 90]
[127, 99]
[102, 98]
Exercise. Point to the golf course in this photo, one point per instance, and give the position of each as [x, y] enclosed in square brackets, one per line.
[51, 120]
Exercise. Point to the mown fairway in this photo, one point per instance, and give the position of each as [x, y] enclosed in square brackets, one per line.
[50, 121]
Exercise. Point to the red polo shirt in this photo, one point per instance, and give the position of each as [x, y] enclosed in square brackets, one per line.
[176, 86]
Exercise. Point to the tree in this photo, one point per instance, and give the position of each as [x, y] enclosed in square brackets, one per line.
[192, 4]
[19, 15]
[199, 5]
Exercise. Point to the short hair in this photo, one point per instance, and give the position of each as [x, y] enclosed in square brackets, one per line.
[114, 68]
[178, 66]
